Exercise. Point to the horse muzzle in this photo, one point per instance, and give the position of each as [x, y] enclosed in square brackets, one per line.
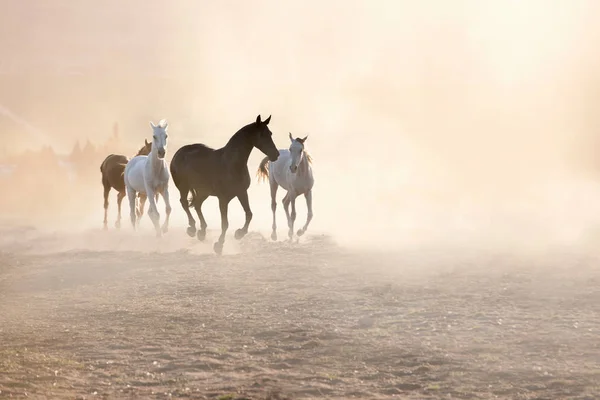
[161, 153]
[293, 169]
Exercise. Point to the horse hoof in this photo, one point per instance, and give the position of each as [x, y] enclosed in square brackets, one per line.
[118, 224]
[218, 247]
[201, 235]
[300, 232]
[239, 234]
[191, 231]
[105, 227]
[274, 236]
[165, 229]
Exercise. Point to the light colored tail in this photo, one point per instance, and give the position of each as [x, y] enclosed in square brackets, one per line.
[263, 170]
[123, 165]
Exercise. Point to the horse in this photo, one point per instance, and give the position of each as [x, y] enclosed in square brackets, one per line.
[112, 170]
[149, 175]
[222, 173]
[293, 172]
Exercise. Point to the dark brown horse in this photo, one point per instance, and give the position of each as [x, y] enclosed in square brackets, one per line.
[223, 173]
[112, 169]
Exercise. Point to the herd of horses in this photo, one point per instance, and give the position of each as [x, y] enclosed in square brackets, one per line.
[199, 171]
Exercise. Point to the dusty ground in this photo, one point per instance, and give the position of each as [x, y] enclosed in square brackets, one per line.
[98, 315]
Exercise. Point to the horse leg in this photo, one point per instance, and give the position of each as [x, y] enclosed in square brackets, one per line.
[309, 215]
[153, 211]
[274, 187]
[286, 207]
[165, 196]
[198, 201]
[292, 200]
[243, 198]
[120, 197]
[131, 195]
[185, 204]
[223, 205]
[106, 191]
[141, 205]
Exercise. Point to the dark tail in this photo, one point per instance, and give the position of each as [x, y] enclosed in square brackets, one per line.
[263, 170]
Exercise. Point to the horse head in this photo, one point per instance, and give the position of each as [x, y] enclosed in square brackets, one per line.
[297, 152]
[263, 139]
[146, 149]
[159, 137]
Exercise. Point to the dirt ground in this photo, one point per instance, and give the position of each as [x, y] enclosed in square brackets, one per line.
[111, 315]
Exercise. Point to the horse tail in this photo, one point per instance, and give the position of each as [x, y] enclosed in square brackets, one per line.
[122, 165]
[263, 169]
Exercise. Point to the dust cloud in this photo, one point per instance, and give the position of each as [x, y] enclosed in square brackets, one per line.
[462, 122]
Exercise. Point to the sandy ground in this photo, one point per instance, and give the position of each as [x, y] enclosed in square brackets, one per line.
[114, 315]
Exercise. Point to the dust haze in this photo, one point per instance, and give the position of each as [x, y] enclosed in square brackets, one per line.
[435, 121]
[456, 213]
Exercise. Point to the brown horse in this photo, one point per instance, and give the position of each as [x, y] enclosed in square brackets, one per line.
[113, 169]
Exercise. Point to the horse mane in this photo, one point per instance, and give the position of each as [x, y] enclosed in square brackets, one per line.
[308, 157]
[241, 133]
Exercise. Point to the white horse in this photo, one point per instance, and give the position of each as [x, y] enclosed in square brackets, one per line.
[293, 172]
[150, 175]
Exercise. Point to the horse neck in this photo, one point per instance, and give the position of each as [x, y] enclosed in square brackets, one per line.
[238, 149]
[156, 164]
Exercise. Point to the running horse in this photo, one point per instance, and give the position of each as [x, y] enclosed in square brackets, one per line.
[293, 172]
[149, 175]
[113, 170]
[222, 173]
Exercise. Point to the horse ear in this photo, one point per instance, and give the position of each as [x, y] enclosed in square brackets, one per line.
[304, 139]
[258, 119]
[146, 141]
[268, 120]
[291, 138]
[152, 125]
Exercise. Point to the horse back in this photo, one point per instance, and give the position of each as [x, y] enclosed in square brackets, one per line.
[203, 168]
[113, 160]
[192, 160]
[112, 169]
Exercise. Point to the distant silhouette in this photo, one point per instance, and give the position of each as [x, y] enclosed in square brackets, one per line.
[223, 173]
